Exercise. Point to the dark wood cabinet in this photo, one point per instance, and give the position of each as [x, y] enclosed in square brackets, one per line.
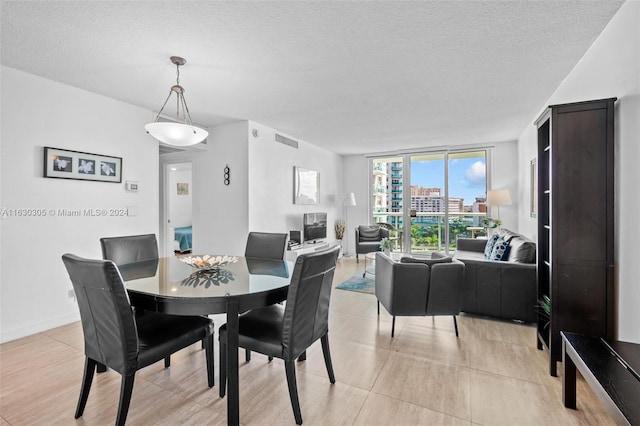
[575, 221]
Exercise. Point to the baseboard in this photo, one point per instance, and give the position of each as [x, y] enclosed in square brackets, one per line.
[28, 330]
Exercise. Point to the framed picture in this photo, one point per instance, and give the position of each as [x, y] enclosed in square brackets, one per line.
[66, 164]
[183, 188]
[534, 188]
[306, 186]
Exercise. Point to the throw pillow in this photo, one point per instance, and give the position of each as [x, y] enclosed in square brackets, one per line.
[424, 260]
[488, 249]
[521, 250]
[500, 250]
[507, 235]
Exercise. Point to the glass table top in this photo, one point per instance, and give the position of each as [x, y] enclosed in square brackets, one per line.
[170, 277]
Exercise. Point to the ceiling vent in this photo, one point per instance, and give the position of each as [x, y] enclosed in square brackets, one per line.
[165, 149]
[285, 140]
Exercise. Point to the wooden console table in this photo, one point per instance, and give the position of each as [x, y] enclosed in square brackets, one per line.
[610, 368]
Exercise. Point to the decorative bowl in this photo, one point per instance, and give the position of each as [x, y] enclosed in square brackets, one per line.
[205, 262]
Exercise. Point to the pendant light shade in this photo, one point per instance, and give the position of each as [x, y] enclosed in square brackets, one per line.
[181, 132]
[177, 134]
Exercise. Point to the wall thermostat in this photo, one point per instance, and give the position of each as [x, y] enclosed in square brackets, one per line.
[131, 186]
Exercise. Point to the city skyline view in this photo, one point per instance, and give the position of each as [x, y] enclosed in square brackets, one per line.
[467, 177]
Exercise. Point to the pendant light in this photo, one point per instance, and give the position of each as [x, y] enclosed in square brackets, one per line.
[181, 132]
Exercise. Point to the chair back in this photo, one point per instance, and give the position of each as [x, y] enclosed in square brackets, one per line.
[266, 245]
[129, 249]
[371, 233]
[306, 314]
[109, 328]
[445, 288]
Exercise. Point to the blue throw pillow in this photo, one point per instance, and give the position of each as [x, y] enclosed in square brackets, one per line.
[488, 249]
[500, 250]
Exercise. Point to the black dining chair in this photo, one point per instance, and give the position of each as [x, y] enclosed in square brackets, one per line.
[266, 245]
[116, 338]
[287, 331]
[130, 248]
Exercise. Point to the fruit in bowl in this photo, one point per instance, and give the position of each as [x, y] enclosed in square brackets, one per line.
[208, 262]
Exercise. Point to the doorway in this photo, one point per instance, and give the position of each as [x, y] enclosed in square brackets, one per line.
[178, 208]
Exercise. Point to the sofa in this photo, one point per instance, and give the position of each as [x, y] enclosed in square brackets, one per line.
[499, 288]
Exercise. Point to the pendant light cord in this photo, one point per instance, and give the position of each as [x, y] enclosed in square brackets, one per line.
[180, 101]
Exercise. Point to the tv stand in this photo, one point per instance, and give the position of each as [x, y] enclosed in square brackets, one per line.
[308, 247]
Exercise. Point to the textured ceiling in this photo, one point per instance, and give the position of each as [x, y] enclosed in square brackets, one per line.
[353, 77]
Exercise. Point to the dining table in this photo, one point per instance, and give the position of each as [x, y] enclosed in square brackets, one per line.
[227, 284]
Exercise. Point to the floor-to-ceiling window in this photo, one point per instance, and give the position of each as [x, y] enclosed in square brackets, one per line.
[430, 199]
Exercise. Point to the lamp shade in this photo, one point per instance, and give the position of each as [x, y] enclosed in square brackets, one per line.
[350, 200]
[177, 134]
[498, 197]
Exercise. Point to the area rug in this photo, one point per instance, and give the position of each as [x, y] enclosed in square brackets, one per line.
[359, 284]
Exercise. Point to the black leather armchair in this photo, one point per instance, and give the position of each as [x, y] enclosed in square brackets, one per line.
[368, 239]
[287, 331]
[114, 337]
[419, 286]
[266, 245]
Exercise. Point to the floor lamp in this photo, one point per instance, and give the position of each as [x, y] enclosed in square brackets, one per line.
[348, 201]
[498, 197]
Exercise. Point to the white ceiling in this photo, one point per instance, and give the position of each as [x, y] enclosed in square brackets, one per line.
[353, 77]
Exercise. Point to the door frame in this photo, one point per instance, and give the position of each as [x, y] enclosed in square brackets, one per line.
[166, 240]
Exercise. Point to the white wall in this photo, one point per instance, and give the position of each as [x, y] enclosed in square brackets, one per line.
[271, 182]
[180, 210]
[260, 195]
[504, 175]
[35, 113]
[220, 212]
[611, 68]
[356, 180]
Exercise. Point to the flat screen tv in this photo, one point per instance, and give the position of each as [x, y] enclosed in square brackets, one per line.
[314, 227]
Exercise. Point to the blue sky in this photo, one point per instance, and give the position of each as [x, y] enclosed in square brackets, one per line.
[466, 177]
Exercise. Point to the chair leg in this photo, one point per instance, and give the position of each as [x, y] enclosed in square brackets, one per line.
[126, 388]
[357, 260]
[290, 369]
[455, 324]
[393, 325]
[327, 357]
[223, 368]
[167, 362]
[303, 356]
[270, 358]
[247, 355]
[378, 308]
[208, 347]
[89, 368]
[100, 368]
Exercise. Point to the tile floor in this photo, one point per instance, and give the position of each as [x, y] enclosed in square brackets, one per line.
[491, 375]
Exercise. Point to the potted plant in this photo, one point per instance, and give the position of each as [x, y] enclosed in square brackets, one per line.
[386, 245]
[339, 228]
[543, 306]
[491, 222]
